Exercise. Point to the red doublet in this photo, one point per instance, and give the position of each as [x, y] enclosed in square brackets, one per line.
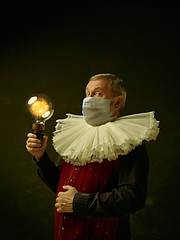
[91, 178]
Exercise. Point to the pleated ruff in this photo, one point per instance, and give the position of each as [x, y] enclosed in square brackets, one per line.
[91, 178]
[79, 143]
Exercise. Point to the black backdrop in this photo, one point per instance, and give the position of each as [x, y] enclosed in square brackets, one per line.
[54, 49]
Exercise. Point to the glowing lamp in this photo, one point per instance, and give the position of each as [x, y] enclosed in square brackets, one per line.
[41, 109]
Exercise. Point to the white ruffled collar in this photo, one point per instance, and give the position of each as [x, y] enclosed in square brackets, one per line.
[79, 143]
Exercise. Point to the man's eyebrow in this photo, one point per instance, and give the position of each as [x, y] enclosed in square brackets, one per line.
[97, 88]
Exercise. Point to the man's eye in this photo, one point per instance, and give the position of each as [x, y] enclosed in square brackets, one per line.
[87, 94]
[98, 94]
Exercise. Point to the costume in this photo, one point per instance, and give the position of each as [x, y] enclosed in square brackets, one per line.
[109, 172]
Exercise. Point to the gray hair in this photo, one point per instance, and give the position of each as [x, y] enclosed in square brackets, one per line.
[116, 85]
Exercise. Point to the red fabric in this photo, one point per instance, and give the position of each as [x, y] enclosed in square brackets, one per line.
[94, 177]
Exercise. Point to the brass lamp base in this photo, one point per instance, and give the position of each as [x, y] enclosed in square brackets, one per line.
[38, 129]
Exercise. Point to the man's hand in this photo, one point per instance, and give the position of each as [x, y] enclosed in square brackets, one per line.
[64, 201]
[33, 145]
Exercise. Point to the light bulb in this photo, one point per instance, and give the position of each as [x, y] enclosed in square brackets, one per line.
[41, 109]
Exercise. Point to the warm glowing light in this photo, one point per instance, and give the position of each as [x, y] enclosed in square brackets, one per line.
[40, 106]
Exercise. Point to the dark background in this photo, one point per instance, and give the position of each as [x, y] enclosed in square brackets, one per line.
[54, 48]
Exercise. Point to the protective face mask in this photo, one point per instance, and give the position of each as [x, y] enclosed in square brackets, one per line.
[96, 110]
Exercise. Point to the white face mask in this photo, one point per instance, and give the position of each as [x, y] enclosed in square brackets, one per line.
[96, 110]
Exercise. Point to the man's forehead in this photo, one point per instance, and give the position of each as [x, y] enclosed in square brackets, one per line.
[101, 83]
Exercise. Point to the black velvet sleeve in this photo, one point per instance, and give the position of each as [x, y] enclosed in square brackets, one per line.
[48, 171]
[128, 197]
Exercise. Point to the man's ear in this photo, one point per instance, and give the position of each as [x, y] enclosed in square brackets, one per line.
[118, 102]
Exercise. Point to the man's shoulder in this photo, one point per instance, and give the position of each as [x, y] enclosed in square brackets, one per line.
[138, 151]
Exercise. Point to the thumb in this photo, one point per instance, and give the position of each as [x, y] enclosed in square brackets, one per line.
[67, 187]
[45, 138]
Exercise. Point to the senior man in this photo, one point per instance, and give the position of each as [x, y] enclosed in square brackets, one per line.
[101, 175]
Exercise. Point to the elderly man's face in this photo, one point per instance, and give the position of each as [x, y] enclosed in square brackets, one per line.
[100, 89]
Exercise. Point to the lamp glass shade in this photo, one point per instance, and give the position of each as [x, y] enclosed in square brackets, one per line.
[41, 109]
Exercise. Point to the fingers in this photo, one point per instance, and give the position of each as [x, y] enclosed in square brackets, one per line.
[69, 192]
[65, 209]
[34, 145]
[33, 142]
[64, 201]
[63, 205]
[31, 135]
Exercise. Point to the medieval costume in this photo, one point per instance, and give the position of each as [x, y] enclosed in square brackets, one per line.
[108, 165]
